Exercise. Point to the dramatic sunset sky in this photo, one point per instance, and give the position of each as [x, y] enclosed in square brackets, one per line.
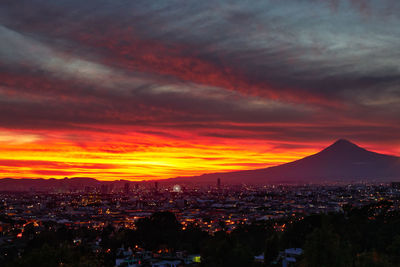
[158, 89]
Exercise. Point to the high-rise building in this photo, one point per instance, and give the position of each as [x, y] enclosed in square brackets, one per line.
[156, 186]
[219, 183]
[104, 189]
[126, 188]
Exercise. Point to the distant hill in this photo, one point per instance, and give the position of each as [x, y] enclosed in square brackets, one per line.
[59, 185]
[342, 161]
[26, 184]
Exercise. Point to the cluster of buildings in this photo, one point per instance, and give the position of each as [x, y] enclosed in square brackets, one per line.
[212, 208]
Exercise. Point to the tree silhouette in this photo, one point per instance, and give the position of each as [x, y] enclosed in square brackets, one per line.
[323, 248]
[159, 230]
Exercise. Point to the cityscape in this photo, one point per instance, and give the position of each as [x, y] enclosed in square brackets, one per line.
[208, 210]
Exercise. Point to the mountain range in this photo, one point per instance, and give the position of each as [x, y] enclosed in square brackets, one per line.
[342, 161]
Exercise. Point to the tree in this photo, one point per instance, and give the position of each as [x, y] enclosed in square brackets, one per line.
[394, 250]
[222, 250]
[271, 248]
[373, 259]
[160, 229]
[63, 255]
[324, 248]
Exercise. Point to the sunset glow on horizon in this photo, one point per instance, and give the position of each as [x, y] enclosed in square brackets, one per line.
[135, 156]
[153, 90]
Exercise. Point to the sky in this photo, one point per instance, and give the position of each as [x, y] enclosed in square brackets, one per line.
[158, 89]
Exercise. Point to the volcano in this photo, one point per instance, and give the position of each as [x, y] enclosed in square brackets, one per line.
[341, 161]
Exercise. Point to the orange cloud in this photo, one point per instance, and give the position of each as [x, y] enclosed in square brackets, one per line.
[152, 157]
